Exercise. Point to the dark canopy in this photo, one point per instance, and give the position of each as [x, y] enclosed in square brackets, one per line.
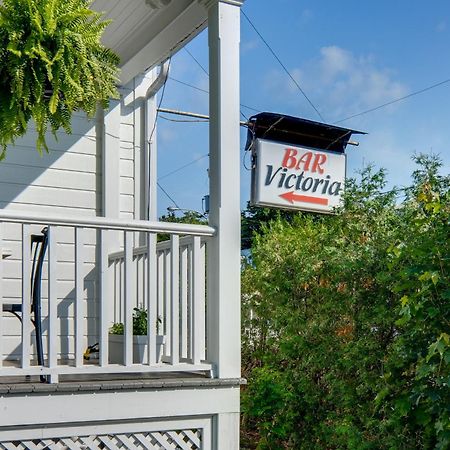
[296, 131]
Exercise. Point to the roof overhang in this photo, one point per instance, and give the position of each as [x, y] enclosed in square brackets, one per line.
[146, 32]
[297, 131]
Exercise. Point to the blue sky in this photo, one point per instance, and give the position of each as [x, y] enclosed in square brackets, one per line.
[348, 57]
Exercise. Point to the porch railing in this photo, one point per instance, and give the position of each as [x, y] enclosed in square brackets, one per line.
[87, 287]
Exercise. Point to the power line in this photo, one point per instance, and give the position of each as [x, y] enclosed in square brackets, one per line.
[184, 120]
[207, 74]
[160, 100]
[395, 100]
[184, 166]
[283, 66]
[189, 85]
[167, 195]
[207, 92]
[197, 61]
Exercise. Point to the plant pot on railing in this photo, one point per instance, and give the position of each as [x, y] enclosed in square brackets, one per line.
[140, 340]
[140, 348]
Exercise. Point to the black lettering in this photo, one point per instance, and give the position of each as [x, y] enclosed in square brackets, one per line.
[287, 184]
[317, 181]
[269, 176]
[325, 187]
[306, 186]
[299, 180]
[334, 188]
[283, 176]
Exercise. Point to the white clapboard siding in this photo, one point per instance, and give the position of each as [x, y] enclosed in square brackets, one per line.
[68, 181]
[18, 174]
[62, 160]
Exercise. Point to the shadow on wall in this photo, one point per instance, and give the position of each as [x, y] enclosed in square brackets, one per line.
[68, 177]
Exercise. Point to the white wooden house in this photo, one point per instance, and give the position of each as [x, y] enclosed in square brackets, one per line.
[103, 259]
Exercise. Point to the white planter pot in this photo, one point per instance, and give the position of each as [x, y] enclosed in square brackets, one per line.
[140, 345]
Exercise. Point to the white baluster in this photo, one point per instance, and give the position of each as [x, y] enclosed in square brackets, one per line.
[167, 305]
[104, 307]
[79, 313]
[184, 286]
[52, 336]
[198, 302]
[1, 294]
[160, 310]
[175, 303]
[152, 290]
[26, 296]
[128, 297]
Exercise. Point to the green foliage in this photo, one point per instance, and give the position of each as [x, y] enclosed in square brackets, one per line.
[51, 64]
[254, 218]
[140, 320]
[417, 373]
[192, 217]
[334, 357]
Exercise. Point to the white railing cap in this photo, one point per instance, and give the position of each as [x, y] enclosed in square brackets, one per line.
[106, 223]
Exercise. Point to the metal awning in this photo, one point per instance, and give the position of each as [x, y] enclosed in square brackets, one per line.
[297, 131]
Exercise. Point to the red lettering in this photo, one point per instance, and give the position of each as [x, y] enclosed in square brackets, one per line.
[289, 160]
[319, 159]
[306, 160]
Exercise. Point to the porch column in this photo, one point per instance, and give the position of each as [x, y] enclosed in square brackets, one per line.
[224, 175]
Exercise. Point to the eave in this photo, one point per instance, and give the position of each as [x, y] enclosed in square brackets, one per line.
[146, 32]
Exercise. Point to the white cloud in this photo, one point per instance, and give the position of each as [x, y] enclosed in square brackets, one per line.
[338, 82]
[306, 16]
[249, 45]
[441, 26]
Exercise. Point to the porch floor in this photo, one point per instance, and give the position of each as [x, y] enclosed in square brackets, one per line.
[108, 382]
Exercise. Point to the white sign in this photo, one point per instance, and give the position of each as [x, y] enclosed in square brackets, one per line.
[300, 178]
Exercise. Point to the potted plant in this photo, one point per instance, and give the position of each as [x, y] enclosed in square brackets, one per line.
[52, 63]
[140, 339]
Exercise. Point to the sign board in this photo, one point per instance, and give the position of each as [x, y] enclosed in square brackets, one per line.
[298, 178]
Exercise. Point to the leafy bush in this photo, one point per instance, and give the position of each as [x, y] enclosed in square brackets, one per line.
[334, 357]
[51, 64]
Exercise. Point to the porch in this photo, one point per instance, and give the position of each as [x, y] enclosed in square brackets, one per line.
[85, 289]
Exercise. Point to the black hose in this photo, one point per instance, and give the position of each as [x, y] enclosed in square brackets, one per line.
[37, 304]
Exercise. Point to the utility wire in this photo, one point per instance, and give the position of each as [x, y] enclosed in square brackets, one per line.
[395, 100]
[184, 120]
[282, 65]
[167, 195]
[197, 61]
[207, 74]
[207, 92]
[189, 85]
[160, 101]
[184, 166]
[154, 128]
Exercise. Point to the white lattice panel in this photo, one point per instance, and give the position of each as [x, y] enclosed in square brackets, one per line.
[166, 440]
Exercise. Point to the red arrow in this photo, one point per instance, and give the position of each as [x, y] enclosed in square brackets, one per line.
[292, 197]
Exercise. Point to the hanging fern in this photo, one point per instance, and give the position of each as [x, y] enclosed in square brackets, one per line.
[51, 64]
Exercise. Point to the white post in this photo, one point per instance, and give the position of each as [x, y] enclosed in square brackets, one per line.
[109, 124]
[108, 135]
[224, 249]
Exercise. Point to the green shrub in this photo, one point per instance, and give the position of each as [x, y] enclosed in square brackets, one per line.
[346, 319]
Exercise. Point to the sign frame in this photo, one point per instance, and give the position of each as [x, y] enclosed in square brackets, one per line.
[276, 195]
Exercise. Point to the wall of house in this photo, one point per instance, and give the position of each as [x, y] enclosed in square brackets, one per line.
[68, 180]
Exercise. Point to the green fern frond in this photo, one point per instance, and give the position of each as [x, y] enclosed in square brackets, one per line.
[52, 63]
